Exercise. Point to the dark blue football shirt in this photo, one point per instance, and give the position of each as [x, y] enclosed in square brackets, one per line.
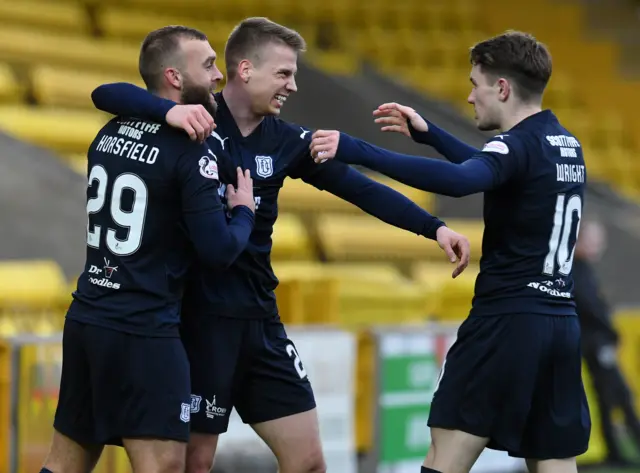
[533, 177]
[152, 195]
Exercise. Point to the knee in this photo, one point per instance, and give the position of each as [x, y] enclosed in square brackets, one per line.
[175, 464]
[200, 459]
[310, 462]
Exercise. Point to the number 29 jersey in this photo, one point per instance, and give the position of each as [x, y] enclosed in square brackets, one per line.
[144, 179]
[532, 219]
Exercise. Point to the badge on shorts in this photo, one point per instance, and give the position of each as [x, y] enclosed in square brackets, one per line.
[185, 412]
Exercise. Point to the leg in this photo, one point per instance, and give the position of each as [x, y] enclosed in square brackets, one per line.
[73, 447]
[604, 389]
[567, 465]
[484, 392]
[276, 398]
[68, 456]
[144, 400]
[453, 451]
[295, 441]
[156, 456]
[213, 347]
[559, 424]
[201, 452]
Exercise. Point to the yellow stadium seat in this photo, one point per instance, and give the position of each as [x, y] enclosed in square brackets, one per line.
[58, 16]
[382, 303]
[11, 90]
[77, 162]
[435, 278]
[363, 237]
[347, 273]
[134, 25]
[298, 196]
[62, 130]
[32, 283]
[32, 46]
[290, 239]
[61, 87]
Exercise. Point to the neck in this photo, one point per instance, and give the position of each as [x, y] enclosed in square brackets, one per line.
[521, 113]
[240, 107]
[170, 94]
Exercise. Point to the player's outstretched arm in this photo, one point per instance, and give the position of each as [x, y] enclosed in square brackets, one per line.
[405, 120]
[432, 175]
[217, 243]
[386, 204]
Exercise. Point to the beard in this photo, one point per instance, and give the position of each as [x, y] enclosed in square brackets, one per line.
[193, 94]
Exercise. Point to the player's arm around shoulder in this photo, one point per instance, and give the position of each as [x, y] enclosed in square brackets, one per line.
[217, 242]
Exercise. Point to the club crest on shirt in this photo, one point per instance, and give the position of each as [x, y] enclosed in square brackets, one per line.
[209, 167]
[264, 166]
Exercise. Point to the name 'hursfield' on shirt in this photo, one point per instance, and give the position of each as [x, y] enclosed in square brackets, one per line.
[127, 148]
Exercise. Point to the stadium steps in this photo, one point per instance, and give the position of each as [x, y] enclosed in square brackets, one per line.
[359, 238]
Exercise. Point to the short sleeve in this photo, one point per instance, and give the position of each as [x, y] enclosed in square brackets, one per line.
[197, 171]
[506, 157]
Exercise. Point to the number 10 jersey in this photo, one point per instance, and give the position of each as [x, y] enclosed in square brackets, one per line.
[532, 219]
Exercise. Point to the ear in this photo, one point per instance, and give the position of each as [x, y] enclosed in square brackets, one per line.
[504, 89]
[245, 70]
[173, 77]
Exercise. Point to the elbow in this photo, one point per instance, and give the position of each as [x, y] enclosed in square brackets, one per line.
[96, 96]
[221, 254]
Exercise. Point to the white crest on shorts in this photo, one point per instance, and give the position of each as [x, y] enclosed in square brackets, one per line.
[185, 412]
[195, 403]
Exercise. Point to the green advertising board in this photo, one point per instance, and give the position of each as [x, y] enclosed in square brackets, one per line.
[409, 366]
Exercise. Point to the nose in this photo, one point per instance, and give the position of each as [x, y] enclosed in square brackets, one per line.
[292, 86]
[217, 75]
[471, 99]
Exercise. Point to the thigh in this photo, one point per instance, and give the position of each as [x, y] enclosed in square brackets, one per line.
[295, 442]
[559, 424]
[74, 413]
[213, 346]
[488, 379]
[274, 383]
[141, 386]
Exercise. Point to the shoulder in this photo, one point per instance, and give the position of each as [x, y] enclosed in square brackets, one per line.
[291, 131]
[506, 143]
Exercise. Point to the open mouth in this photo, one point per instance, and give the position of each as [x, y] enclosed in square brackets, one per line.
[280, 99]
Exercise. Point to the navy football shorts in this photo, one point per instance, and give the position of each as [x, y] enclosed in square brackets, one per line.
[517, 381]
[249, 364]
[116, 385]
